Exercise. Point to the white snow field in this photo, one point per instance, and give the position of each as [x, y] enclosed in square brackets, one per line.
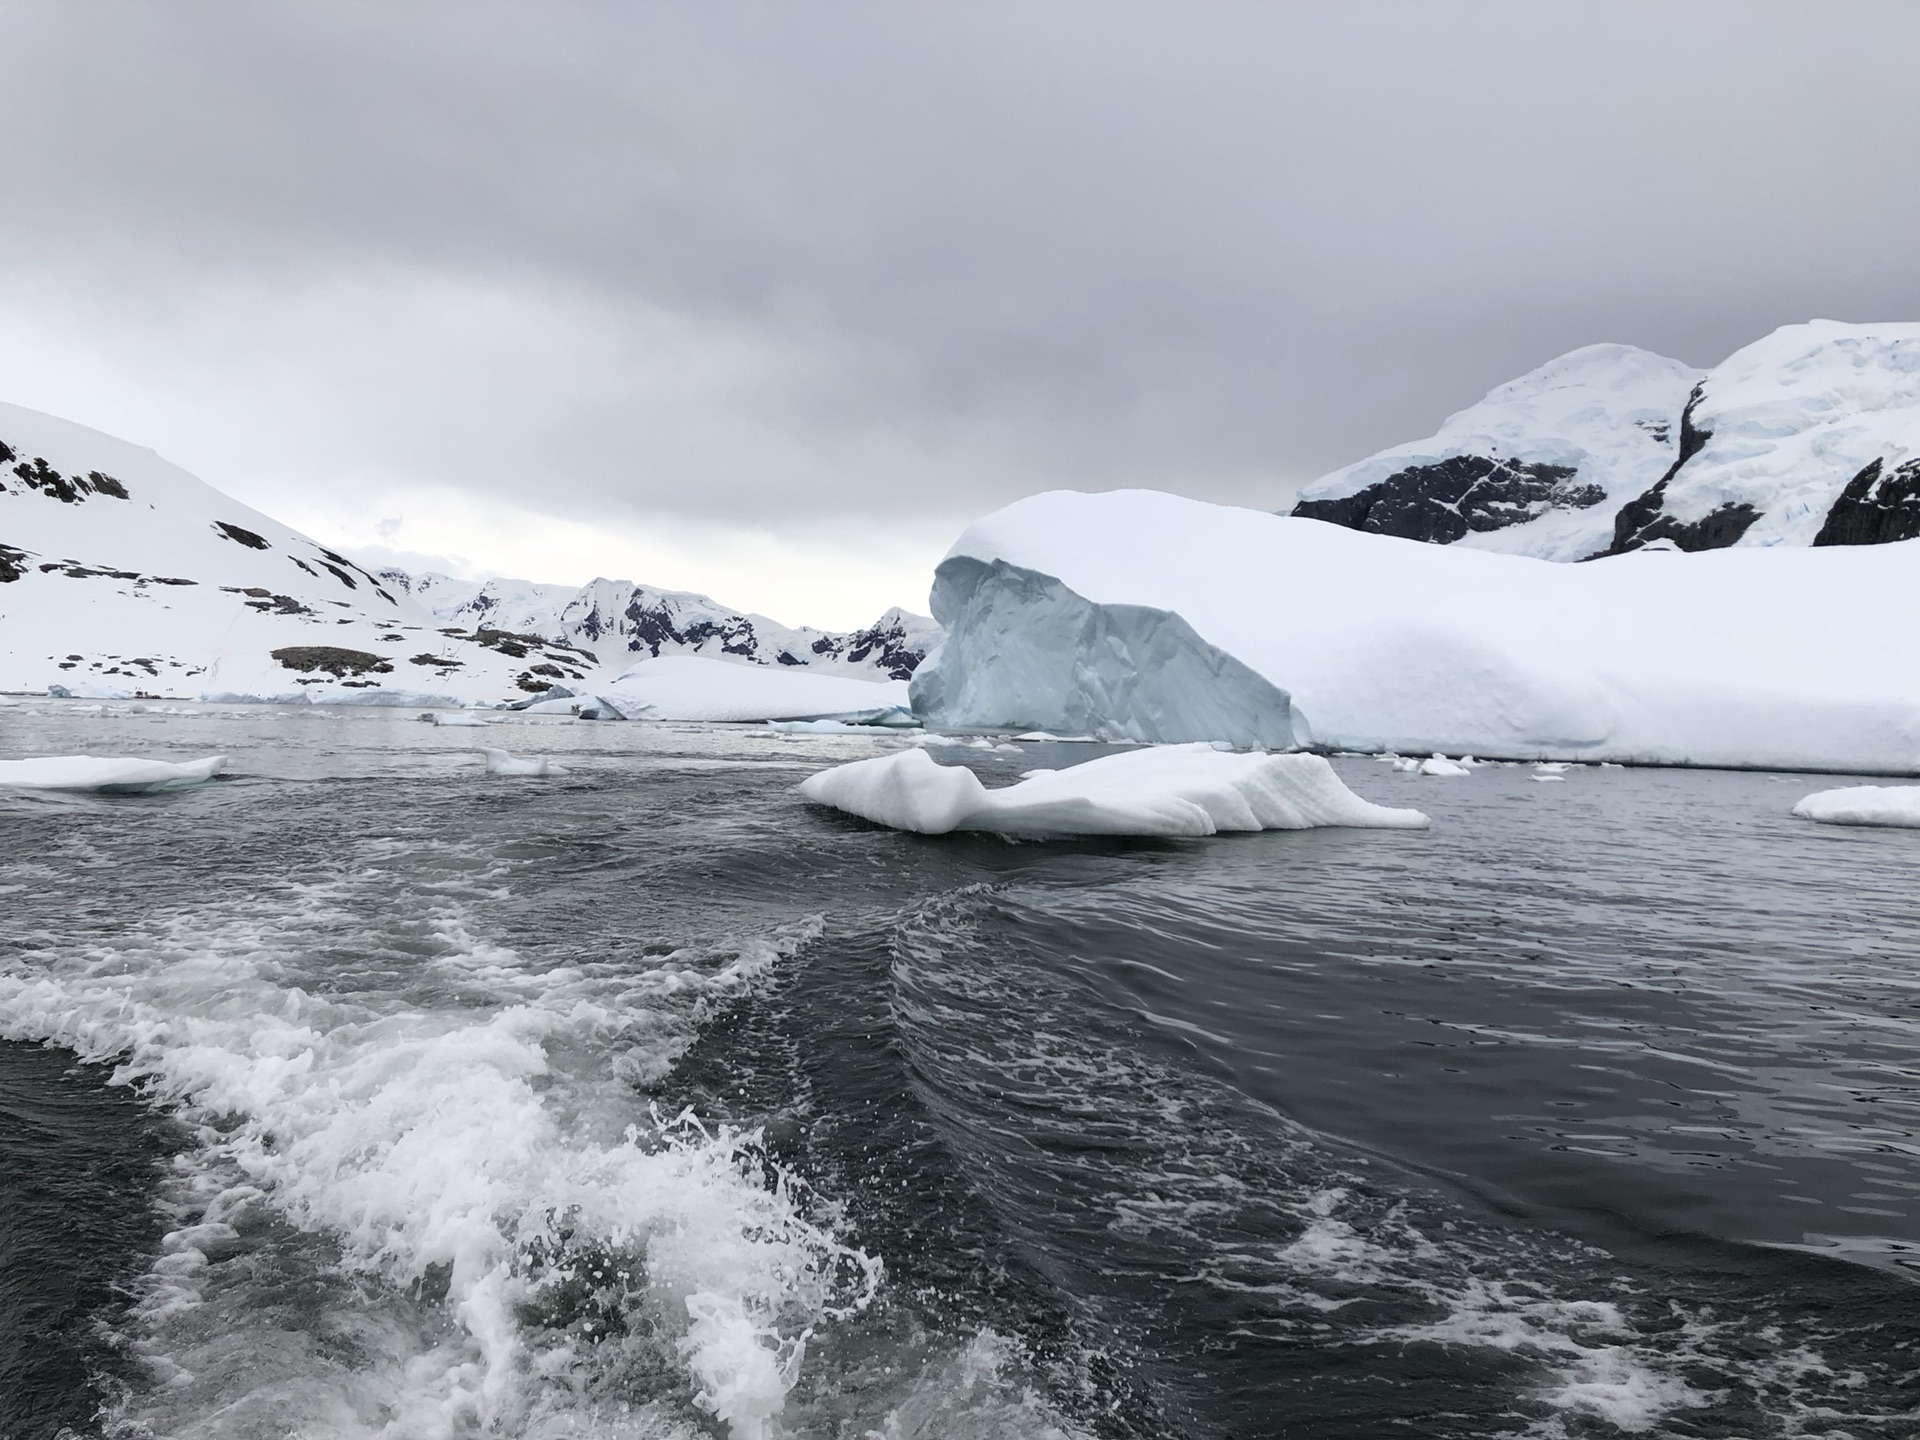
[1144, 616]
[107, 775]
[1167, 790]
[690, 687]
[1609, 415]
[1784, 425]
[1863, 805]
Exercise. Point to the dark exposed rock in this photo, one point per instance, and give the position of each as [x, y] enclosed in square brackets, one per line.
[12, 563]
[341, 575]
[1445, 501]
[241, 536]
[7, 453]
[440, 661]
[1875, 508]
[1643, 519]
[333, 659]
[68, 489]
[260, 598]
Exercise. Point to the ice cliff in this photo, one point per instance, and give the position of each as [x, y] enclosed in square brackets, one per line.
[1810, 436]
[1145, 616]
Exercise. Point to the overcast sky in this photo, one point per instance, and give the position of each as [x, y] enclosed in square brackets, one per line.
[769, 300]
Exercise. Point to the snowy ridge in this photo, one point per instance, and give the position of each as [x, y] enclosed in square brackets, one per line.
[1540, 467]
[618, 619]
[1808, 437]
[123, 575]
[1777, 658]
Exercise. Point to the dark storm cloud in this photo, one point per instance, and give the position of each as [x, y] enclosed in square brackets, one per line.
[951, 253]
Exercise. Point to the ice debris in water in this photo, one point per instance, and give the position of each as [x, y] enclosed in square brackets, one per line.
[1167, 790]
[456, 718]
[499, 762]
[1863, 805]
[109, 775]
[1434, 764]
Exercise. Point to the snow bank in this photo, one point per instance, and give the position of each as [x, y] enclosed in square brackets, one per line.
[1174, 790]
[117, 775]
[1863, 805]
[1144, 616]
[686, 687]
[499, 762]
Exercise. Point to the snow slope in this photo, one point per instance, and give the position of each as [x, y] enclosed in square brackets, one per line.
[122, 574]
[1170, 790]
[619, 620]
[1272, 628]
[1540, 467]
[1808, 437]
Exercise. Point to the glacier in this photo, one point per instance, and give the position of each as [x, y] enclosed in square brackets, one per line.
[692, 688]
[1273, 629]
[1178, 790]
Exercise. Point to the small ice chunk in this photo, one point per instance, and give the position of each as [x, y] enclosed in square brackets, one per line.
[456, 718]
[499, 762]
[117, 775]
[1550, 767]
[1863, 805]
[1166, 790]
[1438, 764]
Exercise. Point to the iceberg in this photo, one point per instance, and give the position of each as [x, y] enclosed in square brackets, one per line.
[1863, 805]
[499, 762]
[689, 687]
[115, 775]
[1144, 616]
[1168, 790]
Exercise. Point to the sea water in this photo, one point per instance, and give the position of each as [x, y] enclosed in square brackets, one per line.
[365, 1093]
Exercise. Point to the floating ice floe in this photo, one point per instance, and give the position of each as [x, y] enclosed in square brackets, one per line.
[688, 687]
[499, 762]
[107, 775]
[1863, 805]
[1168, 790]
[459, 719]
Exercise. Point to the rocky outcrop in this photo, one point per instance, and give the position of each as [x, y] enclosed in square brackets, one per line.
[1448, 499]
[1878, 506]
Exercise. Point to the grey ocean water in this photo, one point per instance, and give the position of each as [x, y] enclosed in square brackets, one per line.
[649, 1101]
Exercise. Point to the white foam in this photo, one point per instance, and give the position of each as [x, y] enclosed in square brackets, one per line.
[1863, 805]
[477, 1130]
[499, 762]
[117, 775]
[1164, 790]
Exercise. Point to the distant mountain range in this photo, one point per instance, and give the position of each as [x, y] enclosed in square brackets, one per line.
[1810, 436]
[123, 575]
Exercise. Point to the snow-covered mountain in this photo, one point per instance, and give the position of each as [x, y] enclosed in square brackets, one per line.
[122, 575]
[623, 622]
[1810, 436]
[1540, 467]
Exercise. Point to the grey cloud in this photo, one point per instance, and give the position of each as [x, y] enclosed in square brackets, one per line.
[962, 251]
